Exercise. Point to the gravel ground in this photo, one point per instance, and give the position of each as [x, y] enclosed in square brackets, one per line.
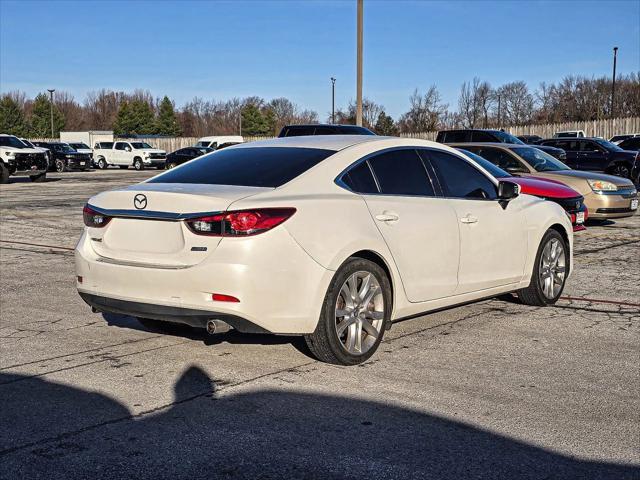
[488, 390]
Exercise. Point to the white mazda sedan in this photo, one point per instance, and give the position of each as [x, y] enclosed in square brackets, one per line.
[330, 237]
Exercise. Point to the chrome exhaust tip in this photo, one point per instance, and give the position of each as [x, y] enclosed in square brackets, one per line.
[217, 326]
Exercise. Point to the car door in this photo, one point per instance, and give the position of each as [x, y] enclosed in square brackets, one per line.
[493, 238]
[591, 156]
[572, 149]
[419, 227]
[120, 154]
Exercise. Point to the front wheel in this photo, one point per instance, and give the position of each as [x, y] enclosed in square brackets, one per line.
[102, 164]
[137, 164]
[171, 165]
[39, 178]
[4, 174]
[621, 170]
[355, 314]
[549, 272]
[61, 166]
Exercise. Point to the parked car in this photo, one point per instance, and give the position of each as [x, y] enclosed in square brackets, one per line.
[606, 196]
[64, 158]
[529, 139]
[619, 138]
[17, 159]
[219, 141]
[490, 136]
[596, 155]
[570, 134]
[552, 190]
[630, 144]
[46, 151]
[323, 129]
[185, 154]
[140, 155]
[427, 228]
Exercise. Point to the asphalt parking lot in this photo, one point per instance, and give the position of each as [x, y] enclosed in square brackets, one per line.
[488, 390]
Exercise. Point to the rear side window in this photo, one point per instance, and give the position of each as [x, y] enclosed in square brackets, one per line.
[631, 143]
[251, 166]
[482, 137]
[401, 172]
[121, 146]
[360, 179]
[298, 131]
[460, 179]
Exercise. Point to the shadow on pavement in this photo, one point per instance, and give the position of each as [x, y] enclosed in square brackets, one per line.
[50, 430]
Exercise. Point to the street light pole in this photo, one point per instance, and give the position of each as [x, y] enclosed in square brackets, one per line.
[613, 83]
[51, 90]
[333, 100]
[359, 66]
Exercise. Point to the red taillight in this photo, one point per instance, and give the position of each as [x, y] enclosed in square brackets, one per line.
[94, 219]
[240, 223]
[219, 297]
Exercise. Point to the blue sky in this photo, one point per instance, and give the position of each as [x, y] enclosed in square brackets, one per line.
[218, 50]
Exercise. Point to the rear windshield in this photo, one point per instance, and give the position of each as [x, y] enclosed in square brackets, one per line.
[541, 161]
[250, 167]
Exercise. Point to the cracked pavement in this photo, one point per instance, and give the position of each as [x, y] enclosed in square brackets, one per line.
[487, 390]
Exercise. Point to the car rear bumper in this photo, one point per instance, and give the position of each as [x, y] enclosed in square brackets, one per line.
[280, 287]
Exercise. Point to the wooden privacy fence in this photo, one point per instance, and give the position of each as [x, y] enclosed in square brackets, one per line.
[596, 128]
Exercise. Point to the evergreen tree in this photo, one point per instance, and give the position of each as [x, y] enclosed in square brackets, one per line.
[124, 120]
[167, 123]
[253, 122]
[134, 118]
[11, 117]
[41, 118]
[385, 125]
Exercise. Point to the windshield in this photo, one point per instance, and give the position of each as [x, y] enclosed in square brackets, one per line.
[540, 161]
[139, 145]
[11, 142]
[505, 137]
[612, 147]
[494, 170]
[79, 145]
[27, 143]
[63, 147]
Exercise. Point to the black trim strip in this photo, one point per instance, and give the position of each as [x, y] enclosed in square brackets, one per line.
[150, 214]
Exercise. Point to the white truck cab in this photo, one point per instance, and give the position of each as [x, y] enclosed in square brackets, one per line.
[219, 141]
[123, 154]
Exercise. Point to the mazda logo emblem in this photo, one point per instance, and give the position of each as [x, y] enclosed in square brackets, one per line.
[140, 201]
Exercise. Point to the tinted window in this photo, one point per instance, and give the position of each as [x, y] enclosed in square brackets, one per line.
[360, 179]
[539, 160]
[11, 142]
[121, 146]
[251, 167]
[298, 131]
[460, 179]
[401, 172]
[612, 147]
[454, 136]
[505, 137]
[494, 170]
[482, 137]
[500, 158]
[631, 144]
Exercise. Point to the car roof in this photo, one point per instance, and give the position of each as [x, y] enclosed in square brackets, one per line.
[326, 142]
[489, 144]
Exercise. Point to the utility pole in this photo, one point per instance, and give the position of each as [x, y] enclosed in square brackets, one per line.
[359, 66]
[333, 100]
[51, 90]
[613, 83]
[240, 120]
[499, 122]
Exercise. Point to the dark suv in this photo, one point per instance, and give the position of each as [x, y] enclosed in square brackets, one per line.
[323, 129]
[64, 158]
[468, 135]
[597, 155]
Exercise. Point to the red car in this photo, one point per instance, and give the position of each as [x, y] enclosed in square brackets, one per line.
[552, 190]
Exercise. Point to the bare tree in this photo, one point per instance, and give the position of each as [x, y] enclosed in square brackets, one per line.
[425, 113]
[516, 103]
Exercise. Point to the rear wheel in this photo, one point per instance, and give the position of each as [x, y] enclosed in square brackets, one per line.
[4, 174]
[61, 166]
[549, 272]
[137, 164]
[171, 165]
[39, 178]
[355, 314]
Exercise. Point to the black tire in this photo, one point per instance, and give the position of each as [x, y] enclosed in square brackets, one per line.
[534, 295]
[171, 165]
[123, 167]
[102, 164]
[61, 165]
[325, 343]
[161, 167]
[137, 164]
[39, 178]
[620, 170]
[4, 174]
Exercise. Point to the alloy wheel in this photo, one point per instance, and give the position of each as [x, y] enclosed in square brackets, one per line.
[60, 166]
[359, 312]
[552, 269]
[621, 171]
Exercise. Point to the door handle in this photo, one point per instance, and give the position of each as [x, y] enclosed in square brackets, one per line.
[469, 219]
[387, 217]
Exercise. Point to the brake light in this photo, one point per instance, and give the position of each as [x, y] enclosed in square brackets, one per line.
[94, 219]
[240, 223]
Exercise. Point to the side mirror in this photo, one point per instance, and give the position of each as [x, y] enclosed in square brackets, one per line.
[128, 149]
[508, 191]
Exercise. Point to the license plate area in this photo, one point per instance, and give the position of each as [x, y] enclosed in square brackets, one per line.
[580, 218]
[634, 204]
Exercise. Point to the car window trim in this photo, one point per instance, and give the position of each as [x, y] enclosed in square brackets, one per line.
[340, 182]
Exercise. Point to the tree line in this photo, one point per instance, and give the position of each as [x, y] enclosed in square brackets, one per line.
[480, 105]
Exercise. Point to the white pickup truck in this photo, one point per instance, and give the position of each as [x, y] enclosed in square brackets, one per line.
[124, 154]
